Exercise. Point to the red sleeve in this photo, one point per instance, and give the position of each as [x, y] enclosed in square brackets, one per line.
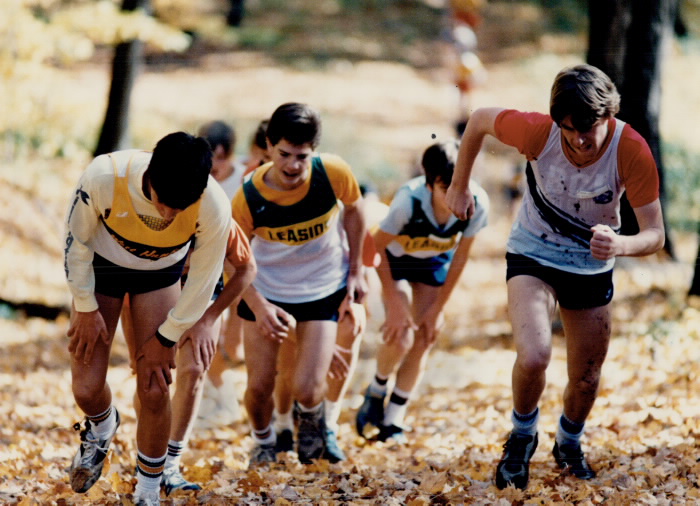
[637, 168]
[238, 250]
[526, 131]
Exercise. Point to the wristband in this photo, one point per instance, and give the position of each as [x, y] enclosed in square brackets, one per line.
[164, 340]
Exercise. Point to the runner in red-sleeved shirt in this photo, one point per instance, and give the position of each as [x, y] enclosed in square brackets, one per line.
[562, 246]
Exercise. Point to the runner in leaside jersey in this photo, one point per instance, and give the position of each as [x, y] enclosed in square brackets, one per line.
[305, 233]
[421, 242]
[309, 257]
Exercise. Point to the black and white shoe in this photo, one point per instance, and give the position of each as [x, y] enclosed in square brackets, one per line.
[89, 460]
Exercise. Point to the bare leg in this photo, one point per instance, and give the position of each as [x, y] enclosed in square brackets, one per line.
[128, 331]
[148, 311]
[390, 355]
[189, 385]
[261, 359]
[349, 338]
[587, 338]
[413, 365]
[315, 344]
[531, 304]
[231, 344]
[285, 376]
[90, 388]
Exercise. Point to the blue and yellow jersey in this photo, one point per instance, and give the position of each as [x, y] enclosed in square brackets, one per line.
[417, 233]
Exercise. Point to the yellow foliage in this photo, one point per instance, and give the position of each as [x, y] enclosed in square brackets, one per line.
[32, 47]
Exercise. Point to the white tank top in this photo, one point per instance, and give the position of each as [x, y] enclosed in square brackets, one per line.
[563, 202]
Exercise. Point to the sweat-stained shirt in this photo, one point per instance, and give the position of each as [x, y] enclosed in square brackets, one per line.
[115, 180]
[563, 201]
[297, 236]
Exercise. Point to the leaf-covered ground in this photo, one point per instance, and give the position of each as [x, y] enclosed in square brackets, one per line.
[641, 436]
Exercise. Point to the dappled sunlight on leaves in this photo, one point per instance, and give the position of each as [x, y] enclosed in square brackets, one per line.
[641, 436]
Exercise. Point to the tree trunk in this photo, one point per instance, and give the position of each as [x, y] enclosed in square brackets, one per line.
[234, 17]
[125, 67]
[626, 40]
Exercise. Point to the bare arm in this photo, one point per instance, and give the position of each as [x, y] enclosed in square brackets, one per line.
[459, 198]
[356, 228]
[606, 244]
[429, 320]
[398, 309]
[239, 279]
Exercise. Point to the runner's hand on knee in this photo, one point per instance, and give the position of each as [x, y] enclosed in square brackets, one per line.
[85, 329]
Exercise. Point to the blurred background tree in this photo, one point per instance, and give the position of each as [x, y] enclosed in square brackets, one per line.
[37, 37]
[125, 66]
[45, 45]
[627, 40]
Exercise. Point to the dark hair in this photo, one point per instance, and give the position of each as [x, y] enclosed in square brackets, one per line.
[179, 169]
[439, 162]
[219, 133]
[260, 135]
[586, 93]
[296, 123]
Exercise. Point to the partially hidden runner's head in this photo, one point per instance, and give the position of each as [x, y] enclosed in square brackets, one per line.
[298, 124]
[219, 133]
[222, 138]
[257, 152]
[259, 139]
[439, 162]
[179, 169]
[585, 93]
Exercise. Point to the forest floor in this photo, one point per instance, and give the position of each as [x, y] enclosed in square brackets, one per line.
[642, 436]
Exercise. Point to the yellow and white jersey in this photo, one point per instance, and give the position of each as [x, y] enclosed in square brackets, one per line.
[146, 237]
[110, 215]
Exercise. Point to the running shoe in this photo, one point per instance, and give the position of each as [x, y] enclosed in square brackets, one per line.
[89, 460]
[173, 480]
[393, 432]
[311, 436]
[571, 456]
[150, 498]
[262, 454]
[514, 467]
[332, 453]
[285, 441]
[370, 413]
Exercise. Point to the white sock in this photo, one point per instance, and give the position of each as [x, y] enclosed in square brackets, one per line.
[396, 408]
[313, 409]
[332, 413]
[378, 385]
[175, 449]
[266, 436]
[283, 421]
[103, 425]
[149, 473]
[525, 424]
